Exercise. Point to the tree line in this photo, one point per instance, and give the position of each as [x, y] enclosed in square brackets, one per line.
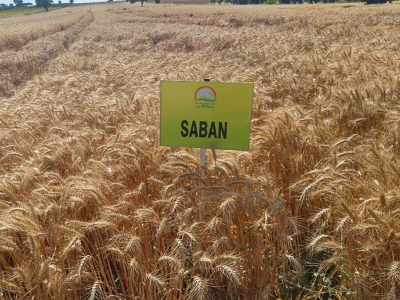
[243, 2]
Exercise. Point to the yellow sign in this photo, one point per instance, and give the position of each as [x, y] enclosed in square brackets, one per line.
[206, 114]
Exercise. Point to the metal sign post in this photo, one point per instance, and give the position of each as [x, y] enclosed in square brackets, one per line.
[203, 156]
[205, 114]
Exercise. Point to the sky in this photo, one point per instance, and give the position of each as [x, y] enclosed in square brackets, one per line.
[55, 1]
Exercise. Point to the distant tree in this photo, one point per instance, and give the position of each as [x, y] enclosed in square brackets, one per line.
[3, 5]
[71, 1]
[46, 4]
[241, 2]
[376, 1]
[59, 2]
[18, 3]
[157, 1]
[132, 1]
[11, 5]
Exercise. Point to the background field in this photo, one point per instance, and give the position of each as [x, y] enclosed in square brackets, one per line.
[91, 207]
[11, 12]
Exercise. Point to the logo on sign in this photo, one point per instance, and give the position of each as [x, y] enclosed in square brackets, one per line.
[205, 97]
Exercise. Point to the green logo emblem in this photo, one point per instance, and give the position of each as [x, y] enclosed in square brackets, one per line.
[205, 97]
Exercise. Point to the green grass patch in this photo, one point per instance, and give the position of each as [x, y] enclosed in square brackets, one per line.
[17, 11]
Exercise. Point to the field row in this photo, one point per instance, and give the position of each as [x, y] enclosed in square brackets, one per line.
[31, 54]
[34, 26]
[14, 39]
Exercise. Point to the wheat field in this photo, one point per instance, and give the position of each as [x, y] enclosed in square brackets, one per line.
[92, 207]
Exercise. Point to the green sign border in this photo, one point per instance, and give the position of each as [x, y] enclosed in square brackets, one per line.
[206, 114]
